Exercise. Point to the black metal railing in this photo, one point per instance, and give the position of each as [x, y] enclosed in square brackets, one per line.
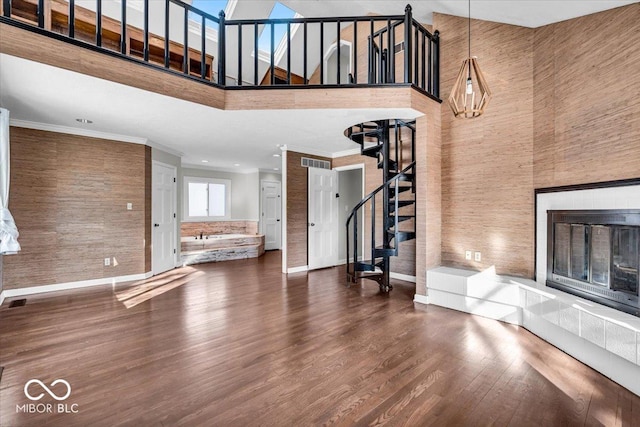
[305, 52]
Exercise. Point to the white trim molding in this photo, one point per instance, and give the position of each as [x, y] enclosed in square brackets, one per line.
[78, 131]
[404, 277]
[421, 299]
[298, 269]
[32, 290]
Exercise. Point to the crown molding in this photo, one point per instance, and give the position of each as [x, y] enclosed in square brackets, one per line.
[78, 131]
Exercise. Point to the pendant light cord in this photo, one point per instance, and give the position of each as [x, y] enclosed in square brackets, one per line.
[469, 34]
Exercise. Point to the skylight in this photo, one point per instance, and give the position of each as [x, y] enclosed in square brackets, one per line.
[212, 7]
[279, 11]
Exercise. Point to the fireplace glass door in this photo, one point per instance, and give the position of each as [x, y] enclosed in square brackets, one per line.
[625, 259]
[600, 254]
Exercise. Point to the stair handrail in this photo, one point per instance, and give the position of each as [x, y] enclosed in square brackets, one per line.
[360, 204]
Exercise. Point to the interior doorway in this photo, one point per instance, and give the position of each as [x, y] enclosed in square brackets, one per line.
[271, 215]
[322, 218]
[351, 191]
[163, 217]
[331, 63]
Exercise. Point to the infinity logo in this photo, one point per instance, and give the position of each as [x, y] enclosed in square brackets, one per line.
[52, 394]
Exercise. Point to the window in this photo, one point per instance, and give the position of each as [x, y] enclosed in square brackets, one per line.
[279, 11]
[206, 199]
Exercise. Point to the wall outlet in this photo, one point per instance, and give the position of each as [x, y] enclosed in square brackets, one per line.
[478, 257]
[129, 206]
[467, 255]
[107, 261]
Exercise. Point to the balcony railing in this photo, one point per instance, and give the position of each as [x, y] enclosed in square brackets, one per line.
[175, 36]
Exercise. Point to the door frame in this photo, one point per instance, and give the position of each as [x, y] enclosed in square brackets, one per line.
[262, 181]
[155, 163]
[356, 166]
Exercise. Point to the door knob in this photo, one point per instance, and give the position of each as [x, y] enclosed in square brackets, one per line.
[156, 225]
[311, 224]
[278, 220]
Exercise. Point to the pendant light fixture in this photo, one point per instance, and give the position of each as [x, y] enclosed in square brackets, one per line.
[470, 94]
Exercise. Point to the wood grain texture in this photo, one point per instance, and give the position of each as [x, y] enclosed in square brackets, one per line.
[428, 245]
[297, 209]
[190, 229]
[35, 47]
[285, 99]
[487, 162]
[69, 198]
[586, 106]
[240, 344]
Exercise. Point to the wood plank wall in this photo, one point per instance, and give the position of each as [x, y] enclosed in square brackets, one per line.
[487, 162]
[297, 206]
[428, 245]
[586, 99]
[69, 198]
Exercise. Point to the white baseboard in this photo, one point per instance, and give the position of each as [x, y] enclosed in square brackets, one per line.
[297, 269]
[421, 299]
[404, 277]
[12, 293]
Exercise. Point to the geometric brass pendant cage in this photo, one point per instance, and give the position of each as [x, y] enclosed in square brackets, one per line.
[470, 94]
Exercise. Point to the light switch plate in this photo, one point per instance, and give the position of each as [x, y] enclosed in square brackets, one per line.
[129, 206]
[478, 257]
[467, 255]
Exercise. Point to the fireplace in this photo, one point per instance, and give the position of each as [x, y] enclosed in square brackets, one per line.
[595, 254]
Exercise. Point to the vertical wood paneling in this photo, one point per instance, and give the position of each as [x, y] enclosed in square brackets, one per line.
[68, 197]
[587, 108]
[487, 177]
[297, 196]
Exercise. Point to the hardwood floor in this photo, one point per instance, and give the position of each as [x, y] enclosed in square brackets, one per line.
[240, 344]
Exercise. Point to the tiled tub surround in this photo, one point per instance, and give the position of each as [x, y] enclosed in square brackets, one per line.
[221, 241]
[220, 247]
[192, 229]
[606, 339]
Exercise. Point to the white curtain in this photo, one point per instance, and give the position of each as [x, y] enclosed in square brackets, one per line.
[8, 230]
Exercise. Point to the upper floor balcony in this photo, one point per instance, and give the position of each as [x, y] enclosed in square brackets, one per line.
[291, 52]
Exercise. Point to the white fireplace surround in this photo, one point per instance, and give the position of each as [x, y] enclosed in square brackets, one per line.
[606, 339]
[627, 197]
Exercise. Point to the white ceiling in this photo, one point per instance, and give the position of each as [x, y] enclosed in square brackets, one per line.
[526, 13]
[38, 93]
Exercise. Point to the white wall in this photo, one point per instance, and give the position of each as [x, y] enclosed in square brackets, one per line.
[245, 191]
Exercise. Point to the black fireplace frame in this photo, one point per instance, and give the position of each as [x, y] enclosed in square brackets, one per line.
[613, 217]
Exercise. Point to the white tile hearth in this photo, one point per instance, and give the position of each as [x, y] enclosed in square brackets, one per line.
[606, 339]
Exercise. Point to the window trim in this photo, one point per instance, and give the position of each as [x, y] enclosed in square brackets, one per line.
[199, 180]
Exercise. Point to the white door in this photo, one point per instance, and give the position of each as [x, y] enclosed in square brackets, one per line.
[323, 218]
[271, 214]
[163, 217]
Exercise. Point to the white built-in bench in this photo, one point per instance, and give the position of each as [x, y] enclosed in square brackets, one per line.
[604, 338]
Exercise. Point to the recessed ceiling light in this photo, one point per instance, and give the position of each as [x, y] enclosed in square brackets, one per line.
[84, 121]
[276, 169]
[236, 164]
[276, 155]
[205, 161]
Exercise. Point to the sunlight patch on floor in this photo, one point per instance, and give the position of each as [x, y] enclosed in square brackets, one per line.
[144, 290]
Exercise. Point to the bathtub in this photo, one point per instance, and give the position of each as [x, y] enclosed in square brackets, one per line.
[220, 247]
